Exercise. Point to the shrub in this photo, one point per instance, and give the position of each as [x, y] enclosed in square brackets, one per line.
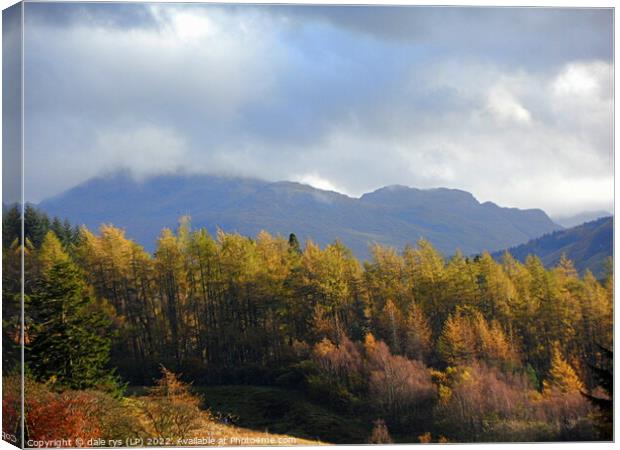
[71, 414]
[171, 410]
[473, 400]
[11, 404]
[380, 433]
[401, 387]
[66, 415]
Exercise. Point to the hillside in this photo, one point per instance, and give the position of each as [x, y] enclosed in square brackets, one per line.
[394, 215]
[587, 245]
[569, 221]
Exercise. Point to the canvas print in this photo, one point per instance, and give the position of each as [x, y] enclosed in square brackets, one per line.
[245, 224]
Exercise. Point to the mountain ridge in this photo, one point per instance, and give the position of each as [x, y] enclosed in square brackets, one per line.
[392, 215]
[588, 245]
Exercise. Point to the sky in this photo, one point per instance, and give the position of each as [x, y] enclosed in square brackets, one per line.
[514, 105]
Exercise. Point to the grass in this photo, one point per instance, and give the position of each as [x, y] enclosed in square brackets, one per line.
[211, 433]
[208, 431]
[283, 411]
[277, 411]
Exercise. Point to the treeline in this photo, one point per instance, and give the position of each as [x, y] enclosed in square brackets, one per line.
[492, 349]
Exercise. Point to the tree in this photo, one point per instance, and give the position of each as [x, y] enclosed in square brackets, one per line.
[426, 268]
[393, 326]
[400, 387]
[170, 408]
[605, 378]
[476, 400]
[293, 244]
[11, 226]
[419, 335]
[562, 377]
[457, 342]
[70, 340]
[493, 345]
[51, 252]
[36, 225]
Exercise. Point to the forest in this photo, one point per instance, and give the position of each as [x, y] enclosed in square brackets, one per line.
[411, 346]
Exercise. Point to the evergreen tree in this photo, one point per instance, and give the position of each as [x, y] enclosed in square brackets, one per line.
[36, 225]
[69, 342]
[293, 244]
[11, 226]
[605, 378]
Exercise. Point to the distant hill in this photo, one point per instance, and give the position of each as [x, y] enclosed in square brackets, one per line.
[577, 219]
[587, 245]
[394, 215]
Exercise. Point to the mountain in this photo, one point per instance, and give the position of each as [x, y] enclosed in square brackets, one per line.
[394, 215]
[577, 219]
[587, 245]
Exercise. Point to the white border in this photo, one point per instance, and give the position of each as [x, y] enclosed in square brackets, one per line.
[488, 3]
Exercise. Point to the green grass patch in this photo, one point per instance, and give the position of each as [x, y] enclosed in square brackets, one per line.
[283, 411]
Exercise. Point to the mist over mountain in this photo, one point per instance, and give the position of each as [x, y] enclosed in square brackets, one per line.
[392, 215]
[568, 221]
[587, 245]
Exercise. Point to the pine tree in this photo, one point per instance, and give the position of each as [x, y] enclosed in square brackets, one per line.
[70, 341]
[293, 244]
[604, 376]
[562, 377]
[36, 225]
[11, 226]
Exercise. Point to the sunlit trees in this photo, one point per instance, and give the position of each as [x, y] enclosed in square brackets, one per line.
[51, 253]
[331, 279]
[457, 342]
[426, 268]
[404, 334]
[418, 334]
[476, 402]
[562, 377]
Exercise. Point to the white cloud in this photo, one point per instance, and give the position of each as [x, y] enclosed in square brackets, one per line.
[503, 105]
[245, 91]
[318, 182]
[145, 150]
[586, 80]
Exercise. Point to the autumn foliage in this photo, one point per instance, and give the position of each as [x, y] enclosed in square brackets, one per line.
[469, 348]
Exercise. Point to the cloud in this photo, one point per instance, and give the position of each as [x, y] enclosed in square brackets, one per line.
[506, 107]
[145, 151]
[500, 102]
[316, 181]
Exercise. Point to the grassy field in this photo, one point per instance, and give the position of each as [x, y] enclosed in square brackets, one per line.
[283, 411]
[217, 434]
[287, 412]
[213, 425]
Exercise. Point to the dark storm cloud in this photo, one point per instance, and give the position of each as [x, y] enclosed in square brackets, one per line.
[514, 105]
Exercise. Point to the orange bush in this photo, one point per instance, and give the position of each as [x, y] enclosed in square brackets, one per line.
[67, 415]
[11, 405]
